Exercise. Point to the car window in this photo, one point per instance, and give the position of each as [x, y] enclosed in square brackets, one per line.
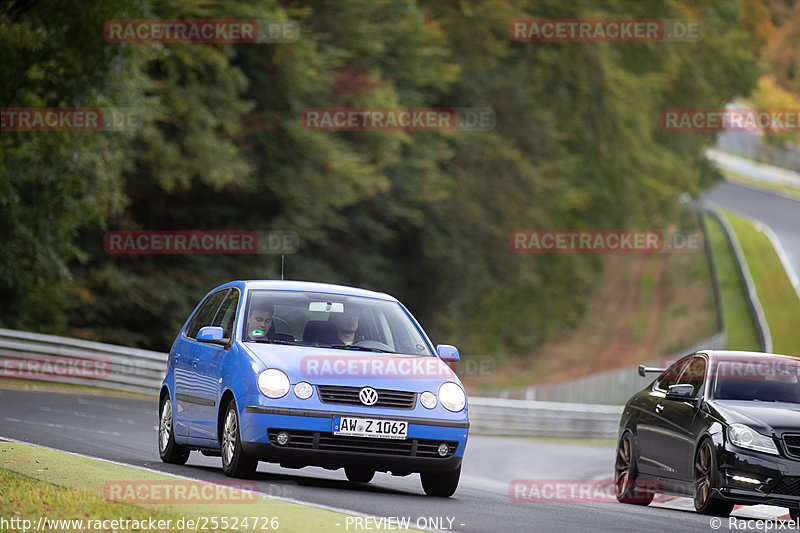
[227, 314]
[206, 313]
[670, 375]
[694, 374]
[324, 320]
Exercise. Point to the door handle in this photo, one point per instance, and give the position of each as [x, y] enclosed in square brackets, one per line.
[177, 356]
[659, 407]
[195, 361]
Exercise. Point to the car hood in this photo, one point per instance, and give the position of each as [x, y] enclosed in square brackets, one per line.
[765, 417]
[328, 366]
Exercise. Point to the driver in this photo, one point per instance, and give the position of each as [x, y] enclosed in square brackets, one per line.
[346, 325]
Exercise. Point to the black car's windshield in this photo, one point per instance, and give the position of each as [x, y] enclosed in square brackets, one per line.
[737, 380]
[330, 321]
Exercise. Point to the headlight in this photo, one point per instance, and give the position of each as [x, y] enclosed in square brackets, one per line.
[303, 390]
[452, 397]
[273, 383]
[428, 399]
[746, 437]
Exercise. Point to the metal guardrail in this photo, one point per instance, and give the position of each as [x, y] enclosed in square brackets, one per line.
[499, 416]
[25, 355]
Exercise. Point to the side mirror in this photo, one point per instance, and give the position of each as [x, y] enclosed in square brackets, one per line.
[447, 352]
[681, 393]
[211, 334]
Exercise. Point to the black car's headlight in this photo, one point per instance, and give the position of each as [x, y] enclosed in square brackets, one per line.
[746, 437]
[273, 383]
[452, 397]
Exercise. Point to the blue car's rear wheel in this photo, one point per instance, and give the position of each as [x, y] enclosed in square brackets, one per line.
[440, 484]
[168, 449]
[235, 463]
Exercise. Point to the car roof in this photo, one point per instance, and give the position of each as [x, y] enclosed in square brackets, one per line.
[310, 286]
[733, 355]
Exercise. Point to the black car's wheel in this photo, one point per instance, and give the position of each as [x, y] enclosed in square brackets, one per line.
[705, 476]
[794, 514]
[168, 449]
[626, 473]
[440, 484]
[235, 462]
[359, 475]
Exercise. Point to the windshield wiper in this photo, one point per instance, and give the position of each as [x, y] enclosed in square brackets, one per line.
[272, 341]
[352, 347]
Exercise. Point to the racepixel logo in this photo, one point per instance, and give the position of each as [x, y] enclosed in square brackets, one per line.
[539, 30]
[180, 492]
[537, 241]
[577, 490]
[201, 31]
[69, 119]
[730, 119]
[201, 242]
[398, 119]
[389, 367]
[54, 367]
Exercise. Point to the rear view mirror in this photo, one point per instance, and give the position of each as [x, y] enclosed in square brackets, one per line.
[447, 352]
[681, 393]
[212, 334]
[326, 307]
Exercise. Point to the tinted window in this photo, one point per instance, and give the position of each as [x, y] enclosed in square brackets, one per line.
[694, 374]
[227, 314]
[671, 375]
[206, 313]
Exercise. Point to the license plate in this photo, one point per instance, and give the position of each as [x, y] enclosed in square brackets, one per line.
[370, 427]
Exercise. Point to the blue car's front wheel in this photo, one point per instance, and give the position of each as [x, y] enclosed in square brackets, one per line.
[235, 463]
[441, 484]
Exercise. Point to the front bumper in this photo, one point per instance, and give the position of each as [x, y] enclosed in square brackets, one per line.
[778, 477]
[312, 443]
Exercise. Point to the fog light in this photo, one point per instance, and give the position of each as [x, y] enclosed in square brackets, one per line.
[282, 438]
[443, 450]
[303, 390]
[743, 479]
[428, 399]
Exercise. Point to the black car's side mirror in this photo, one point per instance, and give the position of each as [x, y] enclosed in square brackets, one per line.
[681, 393]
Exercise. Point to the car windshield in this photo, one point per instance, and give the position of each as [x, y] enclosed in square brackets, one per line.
[756, 381]
[331, 321]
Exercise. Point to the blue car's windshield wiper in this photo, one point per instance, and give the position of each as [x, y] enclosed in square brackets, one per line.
[271, 341]
[352, 347]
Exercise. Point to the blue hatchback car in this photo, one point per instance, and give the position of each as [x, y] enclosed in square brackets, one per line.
[311, 374]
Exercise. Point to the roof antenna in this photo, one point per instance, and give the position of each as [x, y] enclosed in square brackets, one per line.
[282, 258]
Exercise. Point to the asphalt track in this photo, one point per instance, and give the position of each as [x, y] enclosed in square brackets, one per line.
[124, 429]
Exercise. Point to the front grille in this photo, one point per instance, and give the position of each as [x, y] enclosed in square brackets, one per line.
[792, 443]
[788, 485]
[316, 440]
[393, 399]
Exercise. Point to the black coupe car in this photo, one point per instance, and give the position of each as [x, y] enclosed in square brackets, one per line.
[721, 427]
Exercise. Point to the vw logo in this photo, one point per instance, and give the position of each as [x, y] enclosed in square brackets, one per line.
[368, 396]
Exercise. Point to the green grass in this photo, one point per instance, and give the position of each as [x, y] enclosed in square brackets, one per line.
[38, 482]
[739, 327]
[778, 297]
[647, 285]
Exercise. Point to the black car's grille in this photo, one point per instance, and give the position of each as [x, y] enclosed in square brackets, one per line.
[392, 399]
[792, 443]
[788, 485]
[316, 440]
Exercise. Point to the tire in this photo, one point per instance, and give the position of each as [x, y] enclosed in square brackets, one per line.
[359, 475]
[794, 514]
[168, 449]
[235, 463]
[627, 486]
[440, 484]
[705, 479]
